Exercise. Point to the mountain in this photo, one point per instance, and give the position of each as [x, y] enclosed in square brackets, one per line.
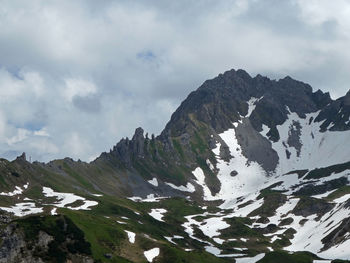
[248, 169]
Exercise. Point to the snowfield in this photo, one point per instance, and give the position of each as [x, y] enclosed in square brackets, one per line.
[250, 178]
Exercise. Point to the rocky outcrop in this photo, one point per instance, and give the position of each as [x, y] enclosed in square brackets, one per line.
[35, 240]
[308, 206]
[338, 235]
[336, 115]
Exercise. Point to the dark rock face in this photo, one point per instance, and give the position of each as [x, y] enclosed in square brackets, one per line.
[221, 101]
[18, 246]
[126, 150]
[335, 116]
[337, 235]
[310, 206]
[294, 137]
[312, 189]
[256, 147]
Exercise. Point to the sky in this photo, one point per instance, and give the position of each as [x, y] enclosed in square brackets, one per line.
[77, 76]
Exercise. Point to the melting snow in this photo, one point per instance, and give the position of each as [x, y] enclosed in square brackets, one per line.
[68, 198]
[211, 226]
[218, 240]
[309, 236]
[153, 182]
[131, 236]
[198, 173]
[23, 209]
[18, 191]
[148, 199]
[251, 105]
[188, 188]
[213, 250]
[329, 145]
[151, 254]
[54, 211]
[157, 213]
[170, 240]
[250, 260]
[342, 199]
[211, 166]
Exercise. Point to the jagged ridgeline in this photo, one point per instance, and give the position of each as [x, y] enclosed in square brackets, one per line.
[248, 169]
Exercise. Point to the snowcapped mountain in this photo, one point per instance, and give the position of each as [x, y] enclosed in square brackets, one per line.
[248, 169]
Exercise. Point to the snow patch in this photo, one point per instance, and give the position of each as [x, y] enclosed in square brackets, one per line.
[199, 174]
[68, 198]
[151, 254]
[158, 213]
[23, 209]
[250, 260]
[18, 191]
[149, 199]
[252, 105]
[54, 211]
[153, 182]
[188, 188]
[131, 236]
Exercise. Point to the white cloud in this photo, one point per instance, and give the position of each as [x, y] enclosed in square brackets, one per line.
[78, 87]
[76, 76]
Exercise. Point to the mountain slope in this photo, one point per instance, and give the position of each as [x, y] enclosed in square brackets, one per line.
[245, 166]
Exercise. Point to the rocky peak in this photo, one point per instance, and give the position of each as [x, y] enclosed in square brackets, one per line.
[347, 99]
[22, 157]
[126, 150]
[138, 142]
[220, 101]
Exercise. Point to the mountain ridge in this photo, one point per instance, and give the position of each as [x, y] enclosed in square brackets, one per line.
[246, 167]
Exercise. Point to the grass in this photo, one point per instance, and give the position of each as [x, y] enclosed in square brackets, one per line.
[327, 171]
[80, 179]
[271, 202]
[269, 190]
[103, 234]
[285, 257]
[178, 148]
[67, 237]
[339, 193]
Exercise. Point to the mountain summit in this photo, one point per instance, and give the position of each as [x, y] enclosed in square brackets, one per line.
[247, 167]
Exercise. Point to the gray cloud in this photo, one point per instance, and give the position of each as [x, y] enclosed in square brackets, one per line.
[76, 76]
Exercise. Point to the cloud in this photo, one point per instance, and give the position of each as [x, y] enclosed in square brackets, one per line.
[86, 73]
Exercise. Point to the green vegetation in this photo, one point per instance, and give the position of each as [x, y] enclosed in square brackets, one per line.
[77, 177]
[300, 173]
[339, 193]
[238, 228]
[327, 171]
[272, 201]
[285, 257]
[178, 148]
[269, 190]
[67, 237]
